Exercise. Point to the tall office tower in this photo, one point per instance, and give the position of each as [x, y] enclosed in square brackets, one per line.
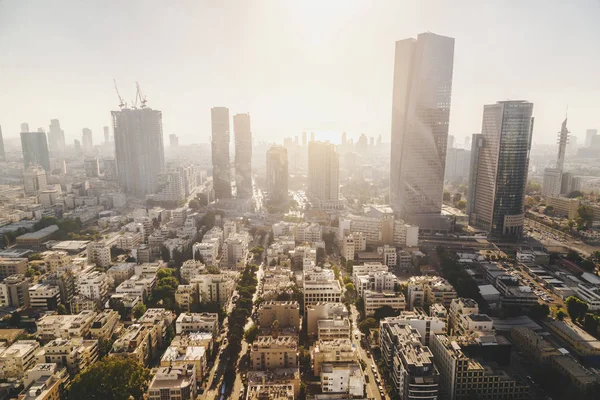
[56, 137]
[35, 149]
[312, 136]
[503, 160]
[87, 140]
[551, 186]
[110, 169]
[476, 145]
[173, 140]
[467, 142]
[303, 139]
[243, 155]
[24, 127]
[2, 154]
[344, 138]
[220, 152]
[34, 179]
[450, 142]
[324, 175]
[139, 149]
[106, 134]
[589, 136]
[277, 174]
[363, 142]
[92, 167]
[77, 146]
[420, 116]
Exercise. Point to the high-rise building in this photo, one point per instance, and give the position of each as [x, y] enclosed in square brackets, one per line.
[303, 139]
[92, 167]
[220, 152]
[589, 136]
[56, 137]
[24, 127]
[277, 174]
[503, 160]
[243, 155]
[2, 154]
[344, 138]
[324, 175]
[173, 140]
[34, 179]
[77, 145]
[312, 136]
[467, 142]
[87, 140]
[420, 119]
[450, 142]
[551, 185]
[139, 149]
[35, 149]
[106, 134]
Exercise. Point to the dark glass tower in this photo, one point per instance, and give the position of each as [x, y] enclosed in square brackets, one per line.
[501, 171]
[35, 149]
[220, 152]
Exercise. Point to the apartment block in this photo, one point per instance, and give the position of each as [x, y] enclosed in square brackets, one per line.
[268, 352]
[18, 358]
[74, 354]
[287, 313]
[334, 328]
[321, 292]
[12, 266]
[173, 383]
[374, 300]
[94, 285]
[429, 290]
[98, 253]
[185, 296]
[344, 378]
[65, 326]
[121, 272]
[138, 342]
[214, 287]
[197, 322]
[425, 325]
[323, 311]
[332, 351]
[104, 324]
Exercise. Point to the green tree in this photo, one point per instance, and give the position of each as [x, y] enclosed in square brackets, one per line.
[549, 210]
[585, 216]
[165, 255]
[457, 197]
[368, 324]
[62, 310]
[384, 312]
[104, 347]
[574, 194]
[539, 311]
[251, 334]
[360, 306]
[194, 204]
[590, 324]
[138, 310]
[576, 308]
[461, 205]
[113, 378]
[15, 319]
[533, 187]
[349, 266]
[163, 273]
[446, 196]
[560, 315]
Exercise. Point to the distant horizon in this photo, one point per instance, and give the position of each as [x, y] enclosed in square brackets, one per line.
[293, 66]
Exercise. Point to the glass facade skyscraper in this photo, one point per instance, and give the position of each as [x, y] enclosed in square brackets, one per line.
[243, 155]
[420, 120]
[498, 186]
[35, 149]
[220, 152]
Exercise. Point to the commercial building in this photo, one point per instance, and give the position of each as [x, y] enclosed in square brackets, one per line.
[502, 165]
[139, 149]
[321, 292]
[173, 383]
[324, 175]
[37, 238]
[458, 372]
[220, 152]
[56, 138]
[268, 352]
[287, 313]
[513, 294]
[584, 344]
[420, 121]
[277, 175]
[564, 206]
[35, 149]
[243, 155]
[534, 344]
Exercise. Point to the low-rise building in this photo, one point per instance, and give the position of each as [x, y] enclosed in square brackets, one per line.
[185, 296]
[268, 352]
[65, 326]
[374, 300]
[99, 253]
[121, 272]
[44, 382]
[590, 294]
[336, 328]
[429, 290]
[160, 319]
[331, 351]
[74, 354]
[138, 342]
[184, 355]
[513, 294]
[533, 344]
[140, 286]
[104, 324]
[323, 311]
[12, 266]
[197, 322]
[287, 313]
[584, 344]
[271, 392]
[214, 287]
[44, 296]
[173, 383]
[342, 378]
[18, 358]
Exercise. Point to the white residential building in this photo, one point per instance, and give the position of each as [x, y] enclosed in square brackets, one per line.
[44, 295]
[214, 287]
[190, 269]
[18, 358]
[207, 252]
[344, 378]
[235, 250]
[375, 300]
[94, 285]
[197, 322]
[98, 253]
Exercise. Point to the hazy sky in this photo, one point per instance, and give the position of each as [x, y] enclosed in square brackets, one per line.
[294, 65]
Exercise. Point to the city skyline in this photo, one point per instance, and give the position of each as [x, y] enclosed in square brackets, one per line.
[300, 94]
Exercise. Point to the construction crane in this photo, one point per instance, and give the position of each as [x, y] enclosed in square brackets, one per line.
[140, 95]
[121, 102]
